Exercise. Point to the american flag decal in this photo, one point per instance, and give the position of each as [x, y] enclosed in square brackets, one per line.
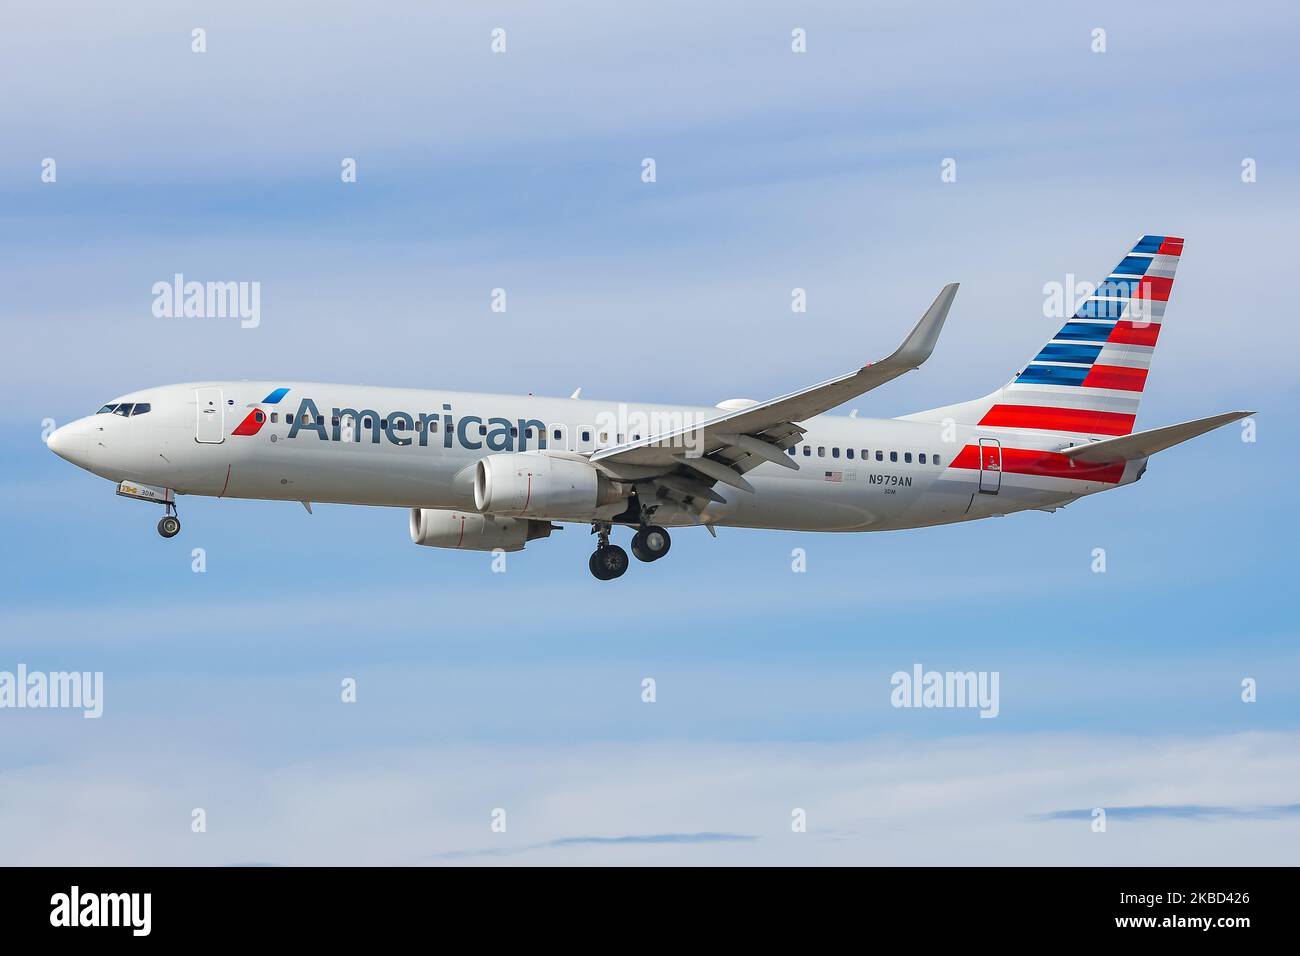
[834, 476]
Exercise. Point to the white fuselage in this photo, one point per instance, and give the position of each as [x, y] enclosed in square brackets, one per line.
[415, 448]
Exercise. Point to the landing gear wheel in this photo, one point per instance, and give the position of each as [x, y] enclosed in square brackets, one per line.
[651, 543]
[608, 562]
[169, 526]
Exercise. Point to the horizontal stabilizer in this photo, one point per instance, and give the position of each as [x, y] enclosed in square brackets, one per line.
[1144, 444]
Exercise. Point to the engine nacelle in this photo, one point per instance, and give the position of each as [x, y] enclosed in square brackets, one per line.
[467, 531]
[542, 486]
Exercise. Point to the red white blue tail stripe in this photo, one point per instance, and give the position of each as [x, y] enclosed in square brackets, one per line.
[1089, 378]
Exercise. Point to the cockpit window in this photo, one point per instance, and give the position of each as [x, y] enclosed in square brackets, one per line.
[106, 409]
[124, 409]
[140, 408]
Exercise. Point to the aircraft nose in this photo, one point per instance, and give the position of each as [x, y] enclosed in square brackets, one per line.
[70, 443]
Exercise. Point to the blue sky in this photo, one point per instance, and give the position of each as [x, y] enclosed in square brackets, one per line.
[522, 171]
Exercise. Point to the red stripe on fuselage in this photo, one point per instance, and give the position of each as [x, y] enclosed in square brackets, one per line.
[1082, 420]
[1116, 376]
[1047, 464]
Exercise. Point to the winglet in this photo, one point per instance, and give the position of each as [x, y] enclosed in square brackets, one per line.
[795, 406]
[919, 345]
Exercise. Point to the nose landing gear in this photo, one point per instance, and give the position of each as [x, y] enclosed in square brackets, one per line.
[169, 525]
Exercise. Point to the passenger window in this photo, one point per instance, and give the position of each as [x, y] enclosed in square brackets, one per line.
[586, 436]
[835, 453]
[106, 409]
[482, 429]
[604, 438]
[259, 416]
[893, 456]
[556, 434]
[936, 459]
[821, 451]
[289, 417]
[140, 408]
[865, 454]
[880, 456]
[790, 450]
[807, 451]
[907, 457]
[275, 418]
[848, 453]
[921, 458]
[123, 410]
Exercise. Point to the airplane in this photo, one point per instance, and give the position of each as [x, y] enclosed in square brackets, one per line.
[486, 472]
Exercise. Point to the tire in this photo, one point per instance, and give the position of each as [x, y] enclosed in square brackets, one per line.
[608, 562]
[643, 540]
[169, 526]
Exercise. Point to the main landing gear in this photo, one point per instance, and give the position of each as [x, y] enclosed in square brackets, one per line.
[651, 543]
[609, 561]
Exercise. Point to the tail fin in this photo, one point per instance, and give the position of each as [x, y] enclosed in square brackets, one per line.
[1088, 379]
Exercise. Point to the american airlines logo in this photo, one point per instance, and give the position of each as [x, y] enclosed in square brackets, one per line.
[473, 432]
[407, 428]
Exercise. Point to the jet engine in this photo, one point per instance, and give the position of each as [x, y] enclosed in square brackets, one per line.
[542, 486]
[473, 532]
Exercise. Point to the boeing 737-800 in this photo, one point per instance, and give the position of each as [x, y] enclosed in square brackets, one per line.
[483, 472]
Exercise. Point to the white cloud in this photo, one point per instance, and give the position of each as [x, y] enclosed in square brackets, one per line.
[888, 802]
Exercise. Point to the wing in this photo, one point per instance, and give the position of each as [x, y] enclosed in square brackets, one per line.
[688, 460]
